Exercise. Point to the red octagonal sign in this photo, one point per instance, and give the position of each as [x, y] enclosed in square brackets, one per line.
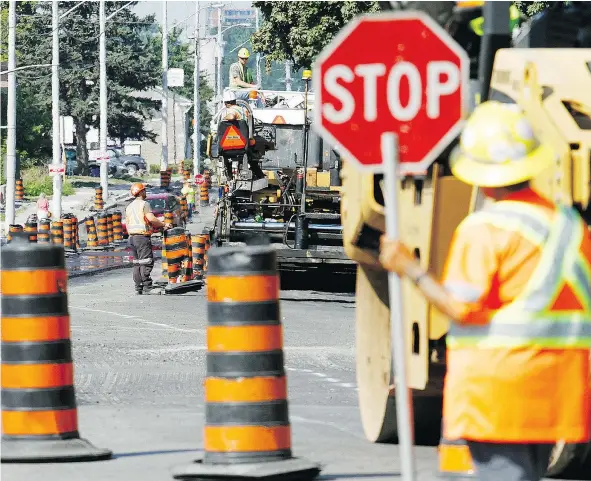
[396, 72]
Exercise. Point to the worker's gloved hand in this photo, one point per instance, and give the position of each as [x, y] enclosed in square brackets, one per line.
[394, 255]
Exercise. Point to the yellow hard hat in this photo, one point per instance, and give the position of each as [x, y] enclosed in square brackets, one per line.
[243, 53]
[498, 147]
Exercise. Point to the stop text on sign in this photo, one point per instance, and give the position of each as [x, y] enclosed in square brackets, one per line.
[442, 79]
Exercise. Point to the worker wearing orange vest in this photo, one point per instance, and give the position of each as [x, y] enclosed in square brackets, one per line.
[139, 220]
[517, 289]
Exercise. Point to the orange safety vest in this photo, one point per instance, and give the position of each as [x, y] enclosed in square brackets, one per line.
[135, 219]
[541, 339]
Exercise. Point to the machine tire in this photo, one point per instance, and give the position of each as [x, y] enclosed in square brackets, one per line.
[374, 360]
[571, 460]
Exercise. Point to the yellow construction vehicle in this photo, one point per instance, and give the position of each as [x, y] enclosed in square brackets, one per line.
[553, 86]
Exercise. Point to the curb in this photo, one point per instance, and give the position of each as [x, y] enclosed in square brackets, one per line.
[100, 270]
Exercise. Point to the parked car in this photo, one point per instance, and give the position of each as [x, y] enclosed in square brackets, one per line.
[133, 163]
[160, 202]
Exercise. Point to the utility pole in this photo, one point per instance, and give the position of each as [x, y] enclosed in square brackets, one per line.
[11, 117]
[196, 99]
[258, 58]
[56, 207]
[103, 101]
[220, 55]
[288, 75]
[164, 134]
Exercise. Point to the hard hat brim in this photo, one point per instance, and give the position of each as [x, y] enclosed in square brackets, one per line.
[473, 172]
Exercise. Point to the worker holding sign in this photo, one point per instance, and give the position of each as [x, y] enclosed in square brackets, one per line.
[517, 288]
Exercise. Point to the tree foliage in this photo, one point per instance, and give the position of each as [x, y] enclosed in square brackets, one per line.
[298, 31]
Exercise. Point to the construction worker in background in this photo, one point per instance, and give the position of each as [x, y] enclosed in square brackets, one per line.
[189, 193]
[231, 110]
[517, 289]
[139, 221]
[240, 77]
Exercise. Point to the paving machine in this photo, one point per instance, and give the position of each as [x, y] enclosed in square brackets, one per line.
[548, 73]
[280, 180]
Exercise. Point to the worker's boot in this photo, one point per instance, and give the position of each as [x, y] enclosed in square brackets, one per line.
[139, 290]
[147, 285]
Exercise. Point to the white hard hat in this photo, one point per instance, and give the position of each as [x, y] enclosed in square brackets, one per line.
[229, 96]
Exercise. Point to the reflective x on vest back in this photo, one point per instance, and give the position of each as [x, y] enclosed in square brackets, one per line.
[134, 218]
[535, 317]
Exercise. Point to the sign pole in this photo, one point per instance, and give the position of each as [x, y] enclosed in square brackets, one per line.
[404, 414]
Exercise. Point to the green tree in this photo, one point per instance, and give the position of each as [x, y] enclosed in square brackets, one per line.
[298, 31]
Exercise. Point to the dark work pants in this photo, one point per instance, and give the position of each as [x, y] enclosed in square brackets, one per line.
[510, 462]
[141, 248]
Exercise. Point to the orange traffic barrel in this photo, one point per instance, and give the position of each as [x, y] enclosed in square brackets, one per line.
[168, 217]
[246, 406]
[186, 174]
[188, 265]
[175, 241]
[206, 236]
[102, 229]
[19, 194]
[117, 226]
[98, 198]
[13, 229]
[76, 229]
[198, 249]
[69, 235]
[164, 264]
[110, 227]
[57, 232]
[43, 231]
[454, 458]
[207, 176]
[39, 412]
[31, 229]
[91, 235]
[204, 195]
[184, 207]
[165, 178]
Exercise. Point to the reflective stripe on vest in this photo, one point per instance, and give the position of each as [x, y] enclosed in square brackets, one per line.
[135, 220]
[530, 319]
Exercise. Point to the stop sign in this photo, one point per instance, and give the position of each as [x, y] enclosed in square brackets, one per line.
[199, 179]
[396, 72]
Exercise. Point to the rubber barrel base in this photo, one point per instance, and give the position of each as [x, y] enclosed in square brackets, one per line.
[51, 450]
[183, 287]
[285, 470]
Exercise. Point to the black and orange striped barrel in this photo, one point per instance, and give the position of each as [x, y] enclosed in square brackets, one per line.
[164, 263]
[91, 235]
[38, 398]
[188, 265]
[110, 227]
[186, 174]
[168, 217]
[165, 178]
[198, 250]
[184, 207]
[117, 226]
[31, 229]
[454, 458]
[57, 232]
[204, 195]
[19, 193]
[13, 229]
[102, 229]
[43, 231]
[99, 203]
[207, 176]
[176, 253]
[69, 236]
[205, 234]
[246, 413]
[76, 230]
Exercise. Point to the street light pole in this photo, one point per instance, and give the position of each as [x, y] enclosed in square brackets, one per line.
[103, 101]
[196, 99]
[11, 117]
[164, 132]
[220, 54]
[56, 208]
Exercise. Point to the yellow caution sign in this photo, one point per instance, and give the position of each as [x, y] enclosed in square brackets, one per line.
[233, 139]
